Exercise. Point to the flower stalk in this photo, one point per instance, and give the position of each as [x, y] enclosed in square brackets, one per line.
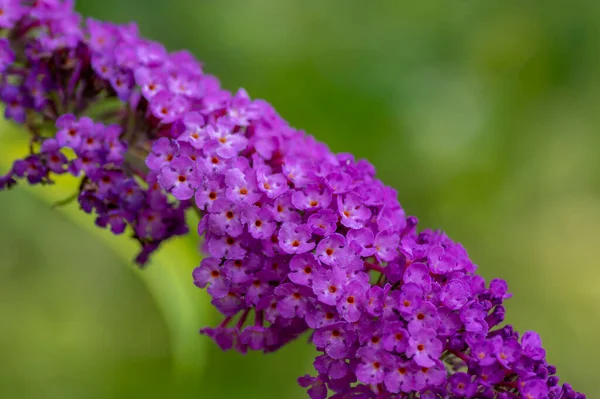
[292, 230]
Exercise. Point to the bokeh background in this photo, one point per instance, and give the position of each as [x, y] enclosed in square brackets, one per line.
[485, 115]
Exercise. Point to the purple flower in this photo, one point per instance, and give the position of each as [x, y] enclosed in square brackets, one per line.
[206, 195]
[335, 340]
[284, 211]
[168, 107]
[499, 289]
[317, 389]
[7, 56]
[425, 316]
[323, 222]
[210, 273]
[163, 153]
[240, 270]
[483, 352]
[55, 160]
[311, 198]
[409, 299]
[375, 301]
[385, 245]
[532, 345]
[226, 218]
[303, 268]
[534, 388]
[181, 178]
[361, 241]
[353, 212]
[429, 377]
[461, 385]
[334, 368]
[455, 294]
[223, 141]
[401, 378]
[351, 302]
[418, 274]
[30, 168]
[372, 368]
[424, 347]
[272, 185]
[329, 285]
[11, 12]
[296, 236]
[293, 238]
[332, 251]
[506, 351]
[294, 300]
[241, 187]
[395, 337]
[152, 82]
[259, 221]
[439, 261]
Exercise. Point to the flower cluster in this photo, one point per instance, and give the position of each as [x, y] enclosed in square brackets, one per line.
[298, 238]
[432, 328]
[52, 72]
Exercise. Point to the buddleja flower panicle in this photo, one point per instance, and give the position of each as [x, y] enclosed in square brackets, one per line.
[298, 238]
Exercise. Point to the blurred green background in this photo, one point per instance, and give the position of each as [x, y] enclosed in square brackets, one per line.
[485, 115]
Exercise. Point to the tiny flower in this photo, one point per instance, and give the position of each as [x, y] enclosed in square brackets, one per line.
[241, 270]
[424, 316]
[335, 340]
[385, 245]
[499, 288]
[334, 368]
[303, 268]
[228, 305]
[210, 273]
[329, 285]
[293, 238]
[424, 347]
[151, 82]
[317, 389]
[71, 132]
[7, 56]
[180, 178]
[353, 212]
[226, 218]
[429, 377]
[223, 141]
[361, 240]
[395, 337]
[259, 221]
[164, 151]
[332, 250]
[293, 300]
[455, 294]
[311, 198]
[533, 389]
[241, 187]
[168, 107]
[401, 378]
[372, 368]
[506, 351]
[272, 185]
[408, 299]
[284, 211]
[461, 385]
[351, 302]
[532, 345]
[322, 222]
[439, 261]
